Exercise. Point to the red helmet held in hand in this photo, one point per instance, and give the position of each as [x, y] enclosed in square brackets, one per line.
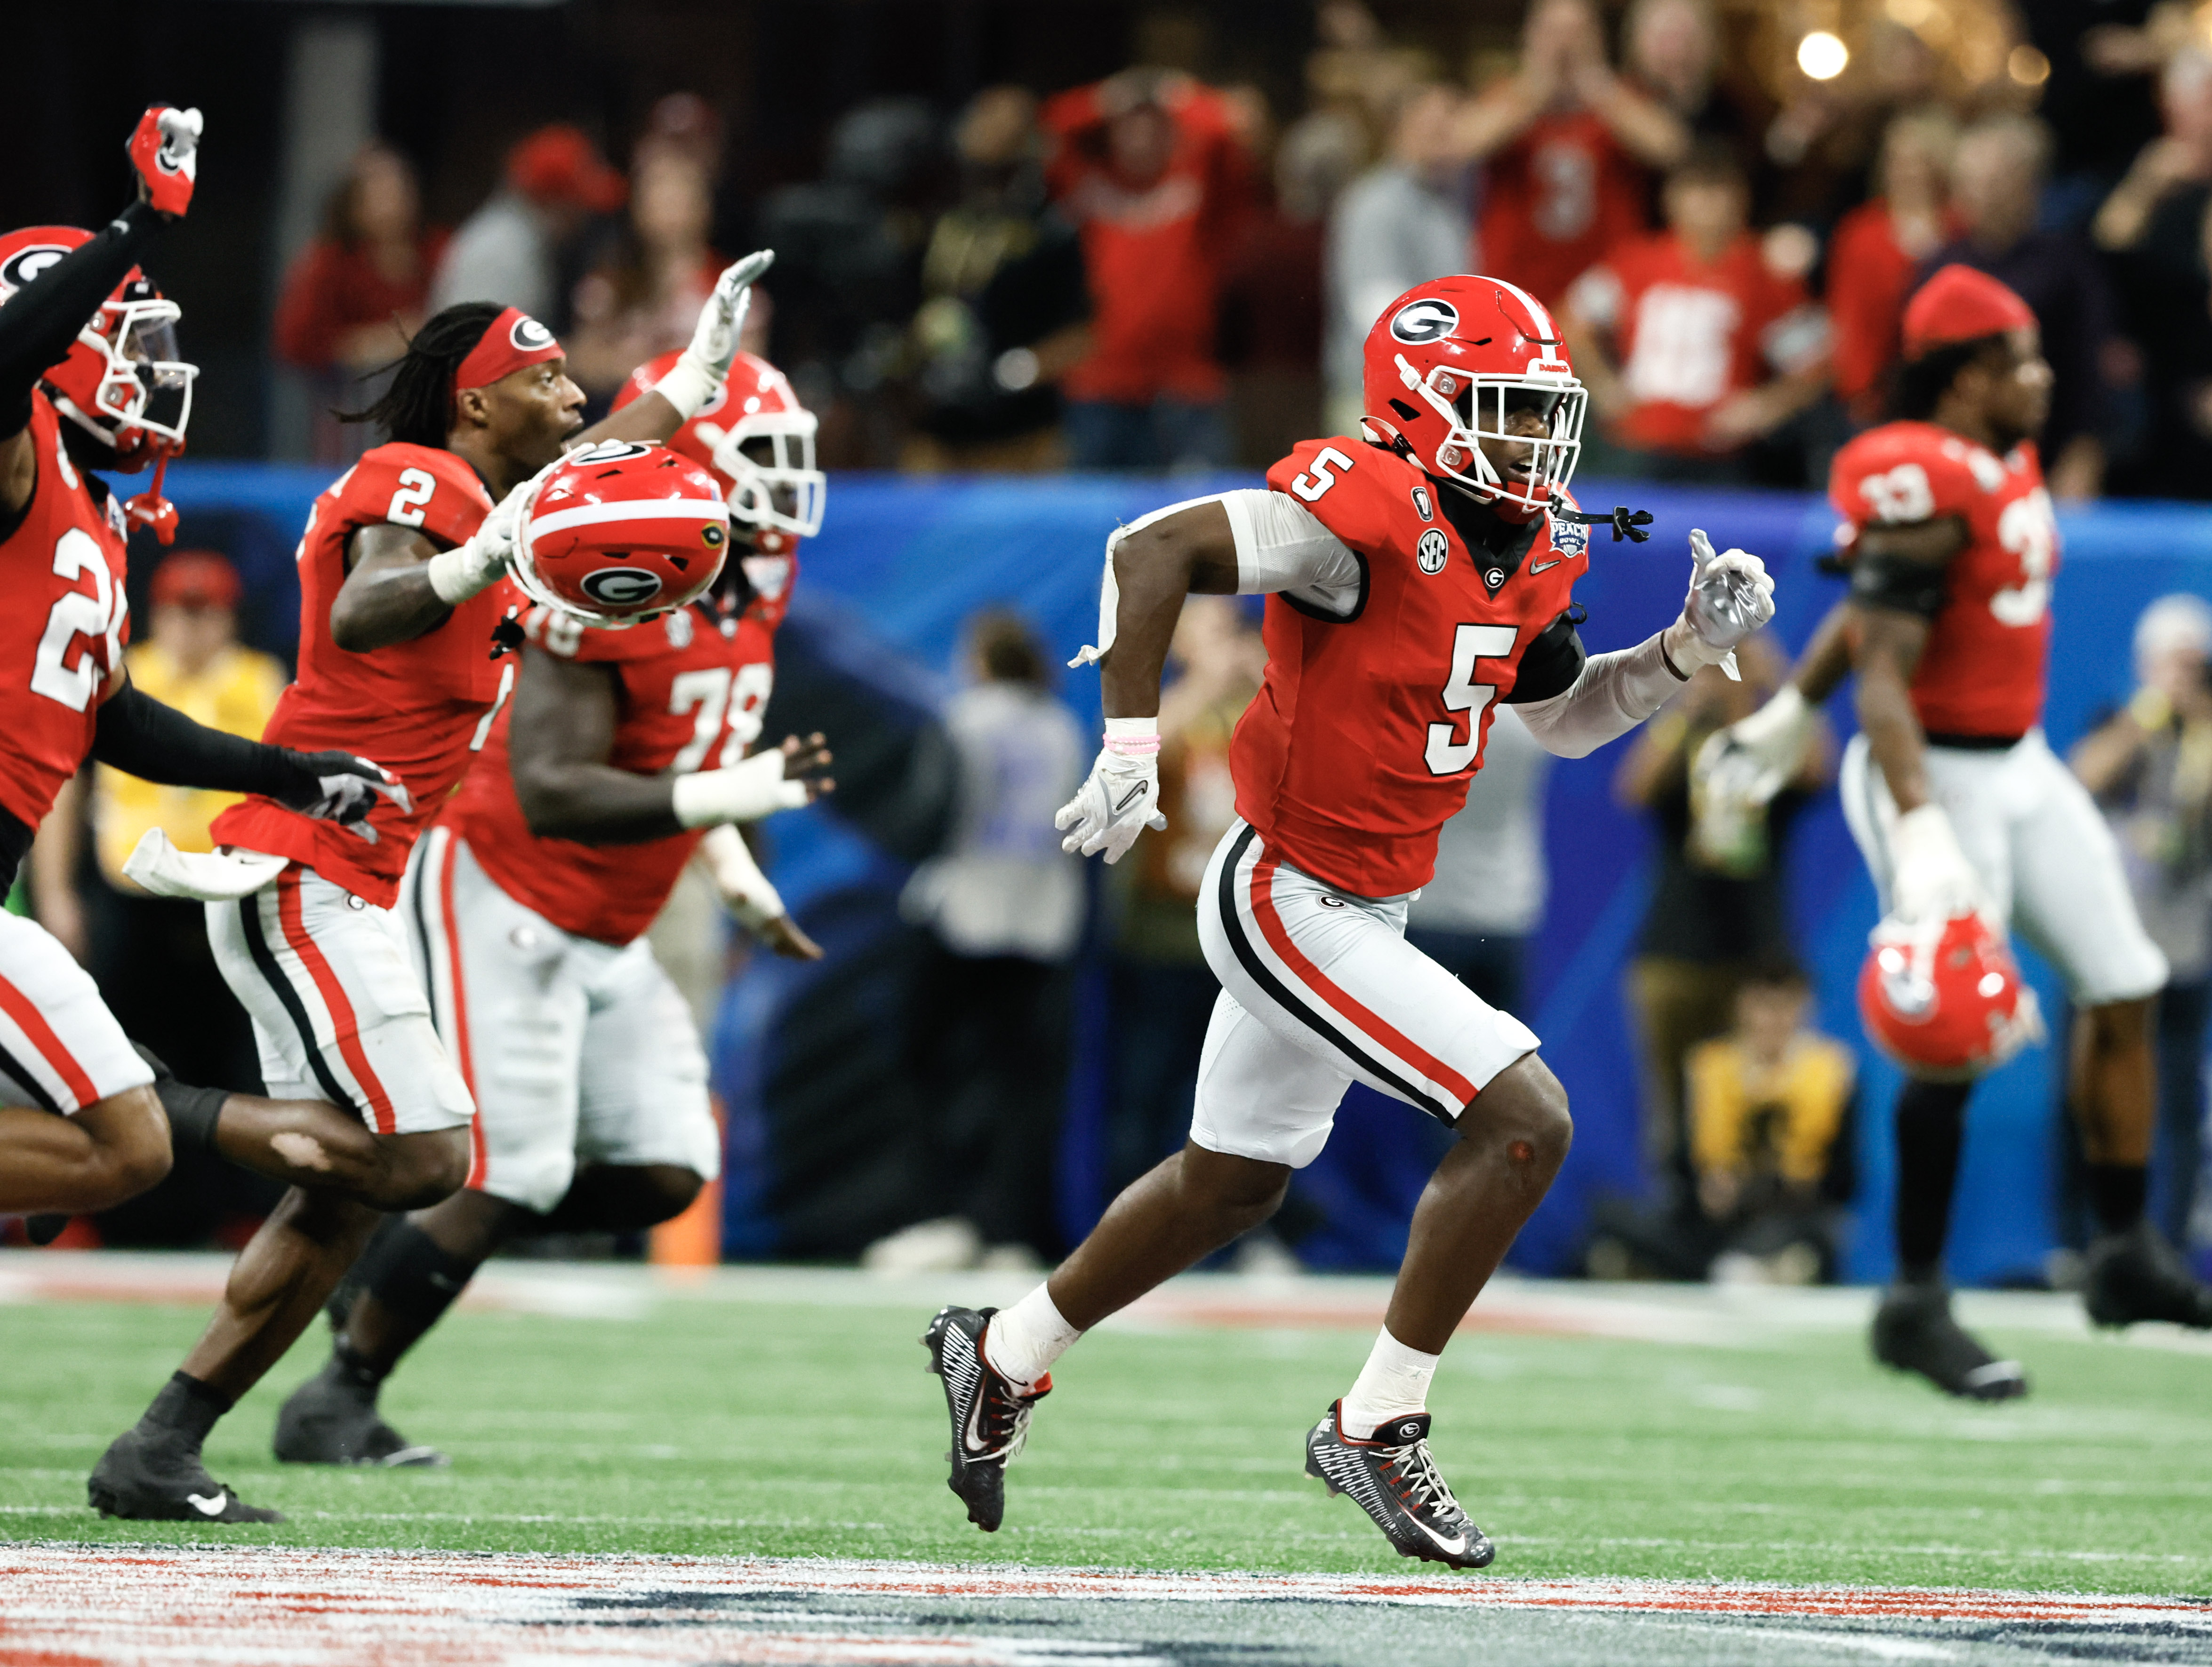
[1457, 361]
[121, 381]
[1945, 1000]
[620, 532]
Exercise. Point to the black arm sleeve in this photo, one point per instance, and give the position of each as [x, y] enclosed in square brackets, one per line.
[1881, 580]
[38, 325]
[1550, 664]
[140, 736]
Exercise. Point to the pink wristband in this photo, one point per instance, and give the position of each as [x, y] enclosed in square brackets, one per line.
[1132, 746]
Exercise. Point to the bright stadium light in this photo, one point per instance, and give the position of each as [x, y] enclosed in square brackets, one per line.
[2028, 66]
[1822, 56]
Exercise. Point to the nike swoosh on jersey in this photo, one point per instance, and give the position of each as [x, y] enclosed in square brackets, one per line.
[1547, 567]
[208, 1508]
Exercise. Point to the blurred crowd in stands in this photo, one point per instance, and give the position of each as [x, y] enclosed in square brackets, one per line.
[1155, 273]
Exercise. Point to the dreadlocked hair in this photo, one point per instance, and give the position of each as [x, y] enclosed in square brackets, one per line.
[1921, 382]
[418, 408]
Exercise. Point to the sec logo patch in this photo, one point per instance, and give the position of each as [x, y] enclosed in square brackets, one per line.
[1433, 552]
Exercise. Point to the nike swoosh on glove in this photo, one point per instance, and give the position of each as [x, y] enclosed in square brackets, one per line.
[1119, 801]
[164, 149]
[339, 787]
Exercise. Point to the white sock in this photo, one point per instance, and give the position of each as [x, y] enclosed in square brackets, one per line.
[1394, 1383]
[1024, 1341]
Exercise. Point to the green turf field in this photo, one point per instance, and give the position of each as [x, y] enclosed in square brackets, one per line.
[796, 1419]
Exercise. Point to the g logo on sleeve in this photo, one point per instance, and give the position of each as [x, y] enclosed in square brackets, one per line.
[1429, 319]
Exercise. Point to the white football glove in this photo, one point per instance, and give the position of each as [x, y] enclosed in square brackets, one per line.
[775, 778]
[1752, 758]
[1930, 879]
[1731, 596]
[745, 891]
[1122, 796]
[691, 381]
[474, 564]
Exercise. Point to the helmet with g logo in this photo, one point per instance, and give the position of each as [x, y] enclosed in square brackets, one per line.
[1458, 361]
[622, 531]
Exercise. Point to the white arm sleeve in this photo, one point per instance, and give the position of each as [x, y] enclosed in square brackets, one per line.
[1281, 546]
[1614, 694]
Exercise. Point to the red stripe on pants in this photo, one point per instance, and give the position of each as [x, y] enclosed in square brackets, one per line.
[289, 913]
[40, 1035]
[442, 852]
[1382, 1034]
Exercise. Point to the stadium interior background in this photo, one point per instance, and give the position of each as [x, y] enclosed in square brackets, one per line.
[822, 1159]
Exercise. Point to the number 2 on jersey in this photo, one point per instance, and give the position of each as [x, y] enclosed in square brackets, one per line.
[1446, 753]
[77, 614]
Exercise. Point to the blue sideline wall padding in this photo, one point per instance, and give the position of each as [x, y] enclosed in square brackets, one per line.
[900, 563]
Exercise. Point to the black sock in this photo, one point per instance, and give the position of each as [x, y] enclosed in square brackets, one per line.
[414, 1279]
[186, 1407]
[1931, 1121]
[350, 1366]
[2118, 1192]
[191, 1112]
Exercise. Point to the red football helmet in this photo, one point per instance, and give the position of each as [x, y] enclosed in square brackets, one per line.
[621, 532]
[1945, 999]
[1450, 361]
[121, 381]
[759, 441]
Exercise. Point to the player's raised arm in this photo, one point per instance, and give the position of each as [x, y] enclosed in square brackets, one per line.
[691, 381]
[41, 318]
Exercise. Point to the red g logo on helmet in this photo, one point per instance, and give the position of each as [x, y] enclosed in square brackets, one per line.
[26, 263]
[622, 531]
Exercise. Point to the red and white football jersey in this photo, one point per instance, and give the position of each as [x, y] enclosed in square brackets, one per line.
[1367, 730]
[63, 636]
[692, 690]
[1983, 671]
[1556, 200]
[420, 708]
[1688, 334]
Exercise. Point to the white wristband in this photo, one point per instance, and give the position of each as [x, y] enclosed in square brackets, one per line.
[746, 892]
[687, 387]
[743, 793]
[456, 574]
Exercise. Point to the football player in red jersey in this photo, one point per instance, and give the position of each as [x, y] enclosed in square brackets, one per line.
[527, 906]
[1959, 805]
[403, 587]
[89, 381]
[1416, 575]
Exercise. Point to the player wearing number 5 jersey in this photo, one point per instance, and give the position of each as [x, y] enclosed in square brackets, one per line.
[525, 907]
[1960, 808]
[1417, 575]
[89, 381]
[403, 582]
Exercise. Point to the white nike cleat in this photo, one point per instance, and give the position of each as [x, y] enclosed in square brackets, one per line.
[1393, 1478]
[990, 1413]
[154, 1476]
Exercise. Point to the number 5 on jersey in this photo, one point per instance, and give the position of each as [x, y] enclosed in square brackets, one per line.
[1447, 754]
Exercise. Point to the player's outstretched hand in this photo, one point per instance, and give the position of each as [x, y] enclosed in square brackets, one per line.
[1731, 596]
[1119, 801]
[780, 779]
[1752, 758]
[722, 320]
[340, 788]
[165, 149]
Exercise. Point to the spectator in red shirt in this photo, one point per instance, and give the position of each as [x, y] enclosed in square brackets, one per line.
[1692, 347]
[1148, 167]
[1878, 249]
[1567, 143]
[355, 294]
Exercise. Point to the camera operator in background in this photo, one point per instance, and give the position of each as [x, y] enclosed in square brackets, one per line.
[2149, 768]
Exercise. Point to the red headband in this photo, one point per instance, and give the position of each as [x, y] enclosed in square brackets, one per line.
[513, 340]
[1960, 304]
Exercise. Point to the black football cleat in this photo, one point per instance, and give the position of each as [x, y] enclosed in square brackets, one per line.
[331, 1419]
[1393, 1478]
[2136, 1275]
[990, 1416]
[152, 1476]
[1913, 1331]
